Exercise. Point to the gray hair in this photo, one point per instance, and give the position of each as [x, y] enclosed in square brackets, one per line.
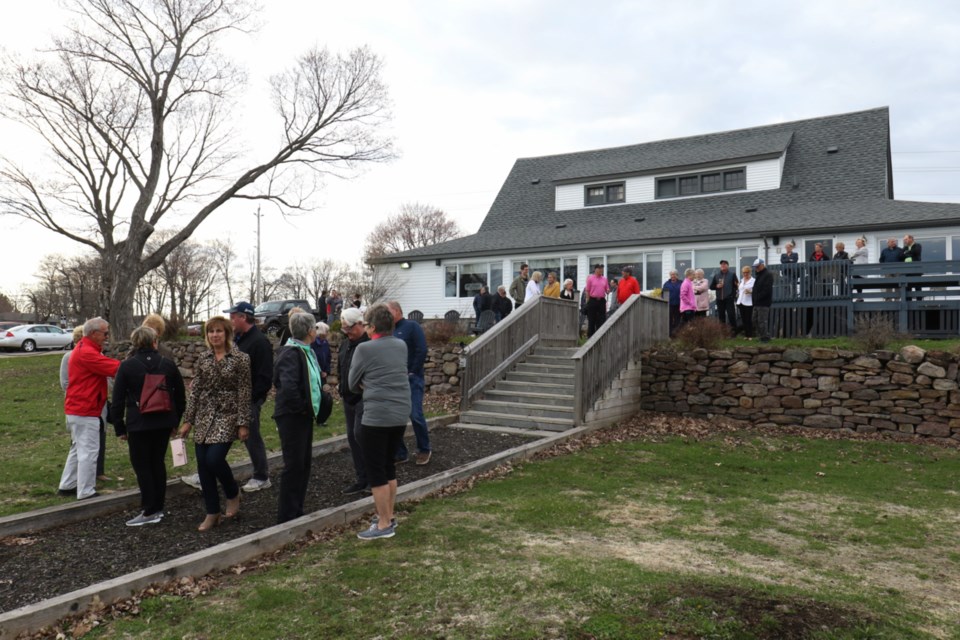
[689, 272]
[394, 305]
[701, 272]
[570, 280]
[94, 324]
[323, 328]
[379, 317]
[300, 325]
[502, 288]
[143, 337]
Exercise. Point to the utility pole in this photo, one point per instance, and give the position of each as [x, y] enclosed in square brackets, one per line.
[259, 290]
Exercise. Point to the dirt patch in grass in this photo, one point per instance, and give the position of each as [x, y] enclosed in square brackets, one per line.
[739, 610]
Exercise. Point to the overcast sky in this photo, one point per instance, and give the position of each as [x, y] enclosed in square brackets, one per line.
[476, 85]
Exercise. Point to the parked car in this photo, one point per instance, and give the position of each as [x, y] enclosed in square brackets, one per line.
[6, 324]
[30, 337]
[271, 316]
[194, 329]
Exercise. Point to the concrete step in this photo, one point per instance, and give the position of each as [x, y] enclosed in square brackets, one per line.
[533, 367]
[523, 409]
[540, 377]
[535, 395]
[520, 422]
[526, 386]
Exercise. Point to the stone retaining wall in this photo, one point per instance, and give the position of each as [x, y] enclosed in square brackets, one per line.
[911, 392]
[442, 368]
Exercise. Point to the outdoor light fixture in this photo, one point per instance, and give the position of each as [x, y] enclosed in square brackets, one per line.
[404, 265]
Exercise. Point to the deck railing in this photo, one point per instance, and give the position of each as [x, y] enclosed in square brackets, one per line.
[825, 299]
[493, 353]
[636, 325]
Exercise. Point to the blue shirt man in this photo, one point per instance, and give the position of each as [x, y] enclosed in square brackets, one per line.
[411, 333]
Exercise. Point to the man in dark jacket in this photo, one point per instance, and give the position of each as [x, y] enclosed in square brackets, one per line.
[416, 341]
[501, 304]
[892, 253]
[351, 324]
[762, 298]
[725, 283]
[250, 340]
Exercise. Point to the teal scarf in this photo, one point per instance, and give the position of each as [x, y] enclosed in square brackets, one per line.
[314, 367]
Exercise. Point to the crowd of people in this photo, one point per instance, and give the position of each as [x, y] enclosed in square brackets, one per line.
[381, 385]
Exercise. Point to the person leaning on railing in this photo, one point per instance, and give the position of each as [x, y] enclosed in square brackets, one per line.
[861, 255]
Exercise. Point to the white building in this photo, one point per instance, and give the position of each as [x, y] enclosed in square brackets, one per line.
[672, 204]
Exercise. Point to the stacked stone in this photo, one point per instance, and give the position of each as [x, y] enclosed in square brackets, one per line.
[442, 367]
[910, 392]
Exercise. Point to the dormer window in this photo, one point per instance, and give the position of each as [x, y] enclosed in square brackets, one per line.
[696, 184]
[597, 194]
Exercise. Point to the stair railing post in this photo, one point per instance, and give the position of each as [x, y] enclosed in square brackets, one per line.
[578, 411]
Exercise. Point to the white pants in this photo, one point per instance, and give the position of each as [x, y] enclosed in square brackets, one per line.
[80, 471]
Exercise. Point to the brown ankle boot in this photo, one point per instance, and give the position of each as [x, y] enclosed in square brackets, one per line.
[212, 520]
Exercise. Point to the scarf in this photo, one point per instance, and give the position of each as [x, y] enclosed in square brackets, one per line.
[314, 368]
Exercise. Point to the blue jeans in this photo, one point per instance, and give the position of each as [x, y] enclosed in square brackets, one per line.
[416, 417]
[212, 466]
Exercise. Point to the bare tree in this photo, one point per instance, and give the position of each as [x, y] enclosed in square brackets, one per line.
[373, 285]
[224, 257]
[133, 106]
[416, 225]
[324, 275]
[7, 305]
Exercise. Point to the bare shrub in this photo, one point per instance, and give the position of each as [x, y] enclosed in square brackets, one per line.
[439, 332]
[873, 331]
[702, 333]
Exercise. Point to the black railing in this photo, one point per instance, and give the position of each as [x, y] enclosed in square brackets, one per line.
[825, 299]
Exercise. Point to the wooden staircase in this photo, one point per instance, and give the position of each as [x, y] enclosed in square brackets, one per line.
[537, 394]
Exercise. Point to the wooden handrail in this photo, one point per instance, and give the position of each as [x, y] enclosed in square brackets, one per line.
[636, 325]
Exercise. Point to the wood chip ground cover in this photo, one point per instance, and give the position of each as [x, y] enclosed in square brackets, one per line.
[56, 561]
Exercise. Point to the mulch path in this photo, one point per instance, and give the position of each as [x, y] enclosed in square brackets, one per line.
[56, 561]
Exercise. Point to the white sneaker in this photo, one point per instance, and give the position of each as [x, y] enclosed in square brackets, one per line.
[256, 485]
[193, 481]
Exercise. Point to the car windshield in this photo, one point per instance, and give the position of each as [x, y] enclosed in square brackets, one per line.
[268, 307]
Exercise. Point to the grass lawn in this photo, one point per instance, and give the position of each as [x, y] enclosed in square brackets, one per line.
[34, 440]
[737, 535]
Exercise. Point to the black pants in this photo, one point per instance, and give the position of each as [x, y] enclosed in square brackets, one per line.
[596, 314]
[674, 318]
[354, 417]
[379, 444]
[727, 312]
[212, 467]
[746, 316]
[296, 443]
[148, 452]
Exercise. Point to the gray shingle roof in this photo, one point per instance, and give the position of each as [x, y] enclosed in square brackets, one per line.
[683, 152]
[847, 191]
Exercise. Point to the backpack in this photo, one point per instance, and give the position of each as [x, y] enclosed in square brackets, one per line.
[155, 396]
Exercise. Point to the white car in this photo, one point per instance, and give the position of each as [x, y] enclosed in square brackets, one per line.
[30, 337]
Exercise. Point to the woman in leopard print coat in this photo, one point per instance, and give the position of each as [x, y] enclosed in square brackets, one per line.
[219, 411]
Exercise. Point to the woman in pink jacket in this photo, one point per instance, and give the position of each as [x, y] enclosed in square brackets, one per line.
[688, 299]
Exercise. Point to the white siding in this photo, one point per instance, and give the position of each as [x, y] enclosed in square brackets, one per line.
[761, 175]
[569, 196]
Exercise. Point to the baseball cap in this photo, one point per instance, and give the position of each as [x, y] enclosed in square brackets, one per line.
[241, 307]
[350, 317]
[758, 261]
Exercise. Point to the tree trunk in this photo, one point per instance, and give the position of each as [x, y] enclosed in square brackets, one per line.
[121, 273]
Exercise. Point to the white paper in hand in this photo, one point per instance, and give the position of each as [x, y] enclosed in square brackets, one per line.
[179, 451]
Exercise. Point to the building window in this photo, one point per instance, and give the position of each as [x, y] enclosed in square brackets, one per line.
[598, 194]
[465, 280]
[699, 183]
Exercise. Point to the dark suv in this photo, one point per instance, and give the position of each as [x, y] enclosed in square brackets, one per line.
[272, 316]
